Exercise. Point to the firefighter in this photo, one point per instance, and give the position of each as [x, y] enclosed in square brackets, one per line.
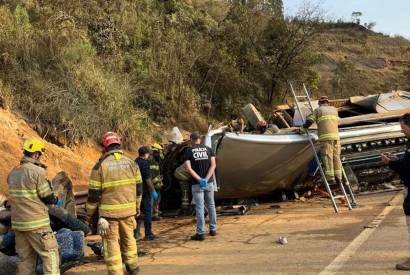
[115, 195]
[327, 119]
[30, 193]
[156, 175]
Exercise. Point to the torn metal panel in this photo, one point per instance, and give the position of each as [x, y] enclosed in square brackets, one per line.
[382, 103]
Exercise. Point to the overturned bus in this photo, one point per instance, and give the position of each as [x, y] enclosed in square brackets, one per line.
[250, 165]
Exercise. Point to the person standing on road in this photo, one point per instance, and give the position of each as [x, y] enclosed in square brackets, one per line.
[149, 194]
[402, 167]
[200, 163]
[31, 193]
[327, 119]
[114, 195]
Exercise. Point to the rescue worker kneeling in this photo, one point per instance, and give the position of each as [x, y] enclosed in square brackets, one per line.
[30, 194]
[115, 194]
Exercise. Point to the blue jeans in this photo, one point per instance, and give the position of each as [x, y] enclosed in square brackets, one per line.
[146, 209]
[202, 196]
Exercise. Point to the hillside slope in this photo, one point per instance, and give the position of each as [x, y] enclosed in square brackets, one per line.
[76, 69]
[357, 61]
[77, 162]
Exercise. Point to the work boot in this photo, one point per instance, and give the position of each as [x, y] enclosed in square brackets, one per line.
[97, 248]
[133, 271]
[212, 233]
[198, 237]
[150, 237]
[142, 253]
[403, 266]
[137, 235]
[331, 182]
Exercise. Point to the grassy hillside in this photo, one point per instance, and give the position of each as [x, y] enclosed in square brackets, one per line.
[357, 61]
[74, 69]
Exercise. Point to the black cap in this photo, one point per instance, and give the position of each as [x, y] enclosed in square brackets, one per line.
[194, 136]
[144, 150]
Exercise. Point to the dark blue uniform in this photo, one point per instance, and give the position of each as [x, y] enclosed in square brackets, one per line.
[402, 167]
[146, 203]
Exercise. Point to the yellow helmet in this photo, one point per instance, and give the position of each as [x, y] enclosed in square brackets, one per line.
[156, 147]
[34, 145]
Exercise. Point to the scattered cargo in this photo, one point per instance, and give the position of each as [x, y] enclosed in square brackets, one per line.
[250, 165]
[252, 115]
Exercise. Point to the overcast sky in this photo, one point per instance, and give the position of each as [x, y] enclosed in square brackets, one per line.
[391, 16]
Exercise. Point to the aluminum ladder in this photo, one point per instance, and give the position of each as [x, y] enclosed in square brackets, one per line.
[350, 202]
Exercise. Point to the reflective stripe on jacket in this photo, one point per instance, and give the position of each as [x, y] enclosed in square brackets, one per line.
[155, 171]
[112, 189]
[154, 168]
[27, 186]
[327, 120]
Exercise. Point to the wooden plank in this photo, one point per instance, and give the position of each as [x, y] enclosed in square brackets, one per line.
[282, 119]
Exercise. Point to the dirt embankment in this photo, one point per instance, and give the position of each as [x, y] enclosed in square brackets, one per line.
[77, 162]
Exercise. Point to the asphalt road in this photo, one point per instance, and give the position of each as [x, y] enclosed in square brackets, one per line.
[319, 241]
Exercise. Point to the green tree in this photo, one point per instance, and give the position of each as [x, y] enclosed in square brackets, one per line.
[286, 49]
[356, 17]
[277, 7]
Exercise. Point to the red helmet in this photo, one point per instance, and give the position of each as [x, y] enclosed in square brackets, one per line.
[110, 138]
[261, 124]
[323, 99]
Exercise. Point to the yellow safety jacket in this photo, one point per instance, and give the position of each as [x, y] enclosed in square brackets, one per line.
[327, 120]
[28, 186]
[115, 187]
[155, 171]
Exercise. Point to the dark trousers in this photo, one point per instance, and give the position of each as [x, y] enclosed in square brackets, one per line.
[146, 210]
[406, 202]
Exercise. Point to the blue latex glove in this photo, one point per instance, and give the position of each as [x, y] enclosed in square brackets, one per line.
[154, 195]
[59, 203]
[203, 183]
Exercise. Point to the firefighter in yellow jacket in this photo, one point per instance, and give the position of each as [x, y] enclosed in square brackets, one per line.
[115, 195]
[30, 193]
[327, 119]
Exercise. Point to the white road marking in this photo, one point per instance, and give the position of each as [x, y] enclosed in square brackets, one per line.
[351, 249]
